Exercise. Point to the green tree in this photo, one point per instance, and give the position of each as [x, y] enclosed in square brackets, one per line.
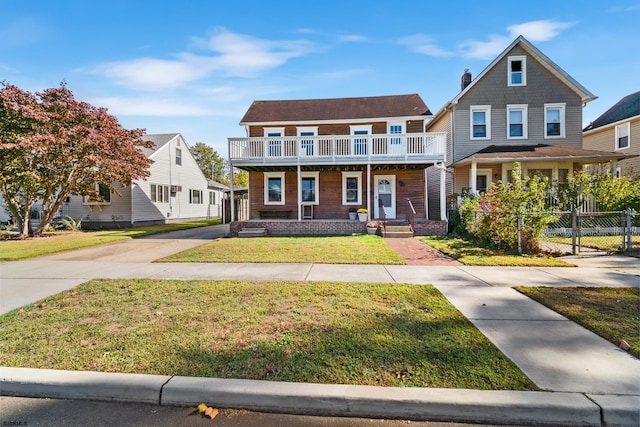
[54, 146]
[209, 161]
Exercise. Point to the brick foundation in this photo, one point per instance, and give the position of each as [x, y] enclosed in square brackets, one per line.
[333, 227]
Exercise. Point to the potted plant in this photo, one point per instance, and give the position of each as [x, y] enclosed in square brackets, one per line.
[363, 214]
[372, 228]
[352, 213]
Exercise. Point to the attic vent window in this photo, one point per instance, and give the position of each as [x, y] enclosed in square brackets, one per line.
[517, 73]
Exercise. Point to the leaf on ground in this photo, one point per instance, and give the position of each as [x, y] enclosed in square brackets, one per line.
[202, 407]
[211, 412]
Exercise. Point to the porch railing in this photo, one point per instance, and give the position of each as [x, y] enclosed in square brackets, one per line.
[411, 146]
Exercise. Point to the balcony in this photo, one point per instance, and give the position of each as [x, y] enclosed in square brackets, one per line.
[338, 149]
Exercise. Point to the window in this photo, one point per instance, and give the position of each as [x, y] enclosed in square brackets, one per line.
[178, 156]
[307, 146]
[309, 181]
[554, 120]
[274, 143]
[103, 196]
[359, 147]
[481, 122]
[274, 188]
[517, 122]
[517, 74]
[212, 197]
[195, 197]
[351, 188]
[396, 129]
[483, 180]
[622, 136]
[159, 193]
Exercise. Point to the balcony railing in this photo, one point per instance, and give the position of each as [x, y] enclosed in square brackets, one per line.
[339, 148]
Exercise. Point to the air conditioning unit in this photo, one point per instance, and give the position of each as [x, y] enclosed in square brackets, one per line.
[176, 188]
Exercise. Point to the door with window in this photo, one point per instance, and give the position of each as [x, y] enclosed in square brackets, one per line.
[385, 193]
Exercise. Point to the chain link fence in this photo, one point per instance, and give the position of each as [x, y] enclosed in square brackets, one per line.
[560, 232]
[575, 232]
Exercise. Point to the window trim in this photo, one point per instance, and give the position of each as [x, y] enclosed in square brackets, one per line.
[178, 156]
[487, 119]
[511, 60]
[268, 175]
[525, 118]
[304, 149]
[164, 190]
[484, 172]
[358, 176]
[316, 177]
[276, 149]
[191, 198]
[86, 200]
[557, 106]
[626, 125]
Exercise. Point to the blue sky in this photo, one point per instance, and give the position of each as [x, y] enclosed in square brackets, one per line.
[194, 67]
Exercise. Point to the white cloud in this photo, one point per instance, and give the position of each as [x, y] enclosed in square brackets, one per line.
[352, 38]
[227, 53]
[424, 44]
[535, 31]
[538, 31]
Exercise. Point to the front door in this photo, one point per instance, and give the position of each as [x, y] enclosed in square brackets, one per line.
[385, 192]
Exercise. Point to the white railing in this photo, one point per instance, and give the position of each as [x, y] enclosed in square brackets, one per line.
[406, 147]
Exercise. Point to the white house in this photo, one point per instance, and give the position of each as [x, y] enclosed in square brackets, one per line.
[176, 190]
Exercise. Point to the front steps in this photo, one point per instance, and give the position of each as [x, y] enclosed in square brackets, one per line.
[252, 232]
[397, 231]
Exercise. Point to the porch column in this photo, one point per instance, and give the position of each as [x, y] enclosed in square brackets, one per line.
[443, 193]
[299, 177]
[233, 199]
[426, 195]
[473, 178]
[369, 191]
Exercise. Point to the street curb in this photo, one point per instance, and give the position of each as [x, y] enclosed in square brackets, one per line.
[419, 404]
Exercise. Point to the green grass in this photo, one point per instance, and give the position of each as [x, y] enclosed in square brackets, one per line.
[603, 243]
[15, 249]
[356, 249]
[469, 253]
[320, 332]
[612, 313]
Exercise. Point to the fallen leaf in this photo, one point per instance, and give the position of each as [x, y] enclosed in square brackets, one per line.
[211, 412]
[202, 407]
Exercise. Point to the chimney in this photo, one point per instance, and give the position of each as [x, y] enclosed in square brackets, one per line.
[466, 79]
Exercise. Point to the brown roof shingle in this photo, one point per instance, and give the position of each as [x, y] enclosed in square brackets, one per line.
[311, 110]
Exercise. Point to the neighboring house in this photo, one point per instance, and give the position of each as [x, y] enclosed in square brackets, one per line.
[176, 190]
[521, 108]
[216, 198]
[618, 130]
[311, 161]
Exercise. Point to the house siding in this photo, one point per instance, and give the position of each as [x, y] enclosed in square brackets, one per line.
[542, 88]
[604, 139]
[442, 124]
[377, 127]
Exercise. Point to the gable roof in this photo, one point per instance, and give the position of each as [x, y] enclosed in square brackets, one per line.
[518, 153]
[159, 140]
[313, 110]
[627, 107]
[544, 60]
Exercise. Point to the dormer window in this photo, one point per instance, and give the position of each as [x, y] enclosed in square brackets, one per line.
[517, 73]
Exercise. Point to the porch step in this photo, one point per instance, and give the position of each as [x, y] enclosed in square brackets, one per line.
[397, 231]
[252, 232]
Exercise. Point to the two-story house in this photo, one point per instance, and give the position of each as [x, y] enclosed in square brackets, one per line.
[312, 161]
[176, 190]
[521, 108]
[618, 130]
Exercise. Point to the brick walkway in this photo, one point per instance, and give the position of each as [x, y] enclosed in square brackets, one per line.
[417, 253]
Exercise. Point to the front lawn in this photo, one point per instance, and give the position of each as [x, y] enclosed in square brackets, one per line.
[356, 249]
[612, 313]
[59, 241]
[469, 253]
[320, 332]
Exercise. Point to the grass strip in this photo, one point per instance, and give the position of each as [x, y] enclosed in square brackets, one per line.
[319, 332]
[612, 313]
[469, 253]
[59, 241]
[355, 249]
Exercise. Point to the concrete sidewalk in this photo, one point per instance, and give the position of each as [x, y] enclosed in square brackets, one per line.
[586, 379]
